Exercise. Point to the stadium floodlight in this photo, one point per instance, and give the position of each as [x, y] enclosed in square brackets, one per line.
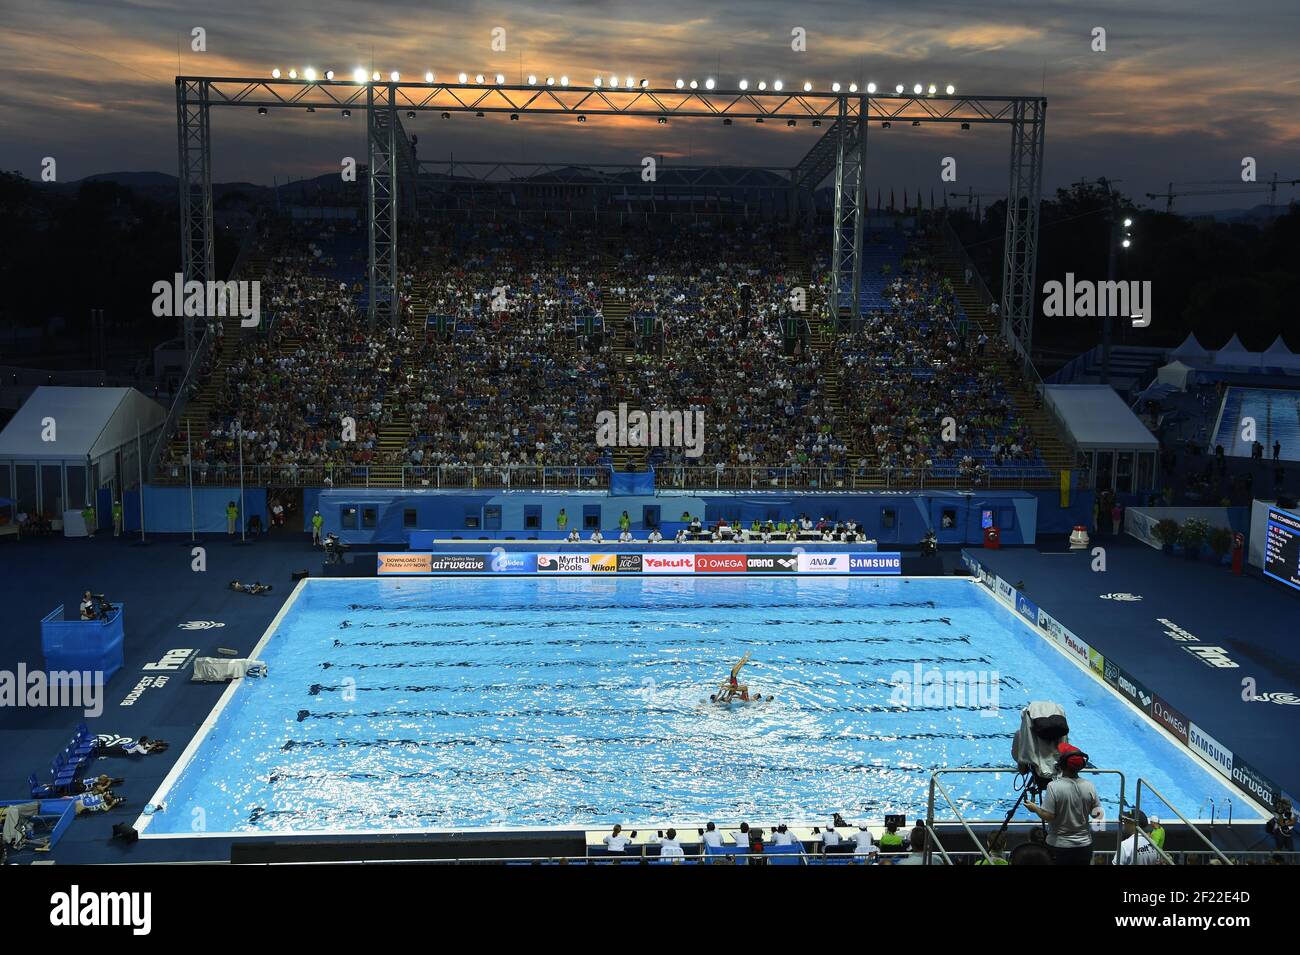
[950, 89]
[776, 85]
[532, 80]
[478, 77]
[792, 122]
[275, 73]
[550, 81]
[933, 89]
[680, 82]
[480, 114]
[410, 114]
[514, 117]
[564, 81]
[871, 87]
[428, 76]
[898, 88]
[835, 87]
[375, 76]
[582, 118]
[501, 79]
[709, 84]
[762, 84]
[1126, 243]
[293, 74]
[744, 84]
[329, 74]
[630, 82]
[1128, 223]
[695, 84]
[817, 124]
[853, 87]
[726, 122]
[395, 76]
[309, 75]
[663, 120]
[463, 78]
[598, 81]
[446, 115]
[261, 111]
[613, 82]
[807, 87]
[645, 84]
[358, 75]
[917, 89]
[347, 113]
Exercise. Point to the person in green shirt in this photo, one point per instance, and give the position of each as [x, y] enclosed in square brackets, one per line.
[624, 522]
[996, 844]
[88, 516]
[562, 521]
[316, 523]
[117, 518]
[1157, 832]
[232, 517]
[891, 840]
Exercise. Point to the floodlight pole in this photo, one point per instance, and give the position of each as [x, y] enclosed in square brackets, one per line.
[1020, 244]
[194, 151]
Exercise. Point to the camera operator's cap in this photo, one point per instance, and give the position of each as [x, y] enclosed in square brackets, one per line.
[1072, 755]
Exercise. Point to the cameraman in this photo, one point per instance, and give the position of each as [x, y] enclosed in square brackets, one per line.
[88, 607]
[1068, 804]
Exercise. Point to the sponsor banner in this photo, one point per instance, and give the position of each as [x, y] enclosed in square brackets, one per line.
[1132, 688]
[667, 563]
[629, 563]
[771, 563]
[1006, 593]
[562, 563]
[1076, 646]
[1110, 671]
[720, 563]
[604, 563]
[1210, 748]
[1097, 662]
[971, 564]
[823, 563]
[1050, 626]
[878, 563]
[1026, 608]
[1168, 717]
[988, 579]
[1255, 783]
[405, 563]
[514, 563]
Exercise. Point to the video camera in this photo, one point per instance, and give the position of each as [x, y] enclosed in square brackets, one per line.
[102, 607]
[1043, 727]
[334, 549]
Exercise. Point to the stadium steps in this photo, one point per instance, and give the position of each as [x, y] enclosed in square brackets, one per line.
[1052, 446]
[617, 313]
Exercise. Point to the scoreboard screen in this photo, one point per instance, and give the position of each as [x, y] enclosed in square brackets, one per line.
[1282, 547]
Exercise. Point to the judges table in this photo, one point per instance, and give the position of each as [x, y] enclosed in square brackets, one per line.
[83, 645]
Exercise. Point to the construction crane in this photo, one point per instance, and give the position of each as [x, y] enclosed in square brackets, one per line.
[1269, 186]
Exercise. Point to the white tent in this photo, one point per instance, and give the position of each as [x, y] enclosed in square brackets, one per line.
[1277, 355]
[1177, 374]
[1190, 349]
[1120, 450]
[66, 442]
[1235, 353]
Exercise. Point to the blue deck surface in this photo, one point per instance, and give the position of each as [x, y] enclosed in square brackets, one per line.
[1256, 623]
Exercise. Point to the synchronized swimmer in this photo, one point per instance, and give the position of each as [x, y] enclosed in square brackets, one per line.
[732, 689]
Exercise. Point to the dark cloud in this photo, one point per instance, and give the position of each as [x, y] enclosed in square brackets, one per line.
[1184, 91]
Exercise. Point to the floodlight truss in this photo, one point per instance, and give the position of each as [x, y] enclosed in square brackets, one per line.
[844, 143]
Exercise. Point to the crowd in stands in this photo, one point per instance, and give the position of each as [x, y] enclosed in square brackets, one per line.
[503, 382]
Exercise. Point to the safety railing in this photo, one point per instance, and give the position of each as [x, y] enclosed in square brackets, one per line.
[184, 392]
[937, 786]
[405, 476]
[1137, 807]
[670, 477]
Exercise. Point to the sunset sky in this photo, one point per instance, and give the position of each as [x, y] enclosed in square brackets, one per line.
[1185, 89]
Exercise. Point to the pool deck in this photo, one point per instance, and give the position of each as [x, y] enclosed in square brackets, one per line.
[161, 592]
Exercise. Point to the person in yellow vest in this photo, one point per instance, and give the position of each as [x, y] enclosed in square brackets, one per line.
[1157, 832]
[117, 518]
[996, 844]
[624, 522]
[562, 521]
[316, 523]
[232, 517]
[88, 516]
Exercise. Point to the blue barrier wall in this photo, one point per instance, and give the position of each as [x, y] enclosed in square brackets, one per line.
[167, 509]
[388, 516]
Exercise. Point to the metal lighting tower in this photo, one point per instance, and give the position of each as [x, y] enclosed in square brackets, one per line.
[842, 147]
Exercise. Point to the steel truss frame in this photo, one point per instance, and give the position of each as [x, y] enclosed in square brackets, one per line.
[850, 114]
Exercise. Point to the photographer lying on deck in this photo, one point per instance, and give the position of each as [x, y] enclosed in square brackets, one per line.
[142, 747]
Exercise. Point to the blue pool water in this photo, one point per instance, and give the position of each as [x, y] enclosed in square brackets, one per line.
[1277, 418]
[520, 702]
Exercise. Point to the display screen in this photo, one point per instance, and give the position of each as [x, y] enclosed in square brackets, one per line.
[1282, 547]
[986, 520]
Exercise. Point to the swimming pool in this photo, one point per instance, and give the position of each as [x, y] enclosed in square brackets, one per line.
[1277, 418]
[518, 702]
